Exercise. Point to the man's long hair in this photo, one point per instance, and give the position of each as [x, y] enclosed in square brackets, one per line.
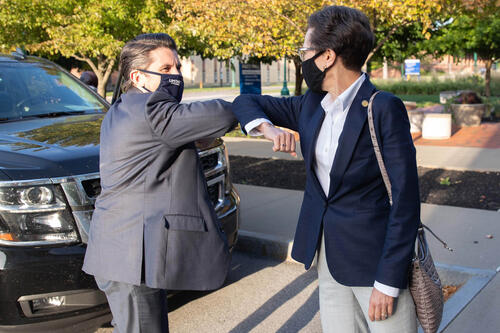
[136, 53]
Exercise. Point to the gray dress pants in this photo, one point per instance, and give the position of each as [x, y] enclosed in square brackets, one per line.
[135, 309]
[345, 309]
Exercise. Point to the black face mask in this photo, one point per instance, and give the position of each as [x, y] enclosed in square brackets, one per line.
[313, 75]
[173, 84]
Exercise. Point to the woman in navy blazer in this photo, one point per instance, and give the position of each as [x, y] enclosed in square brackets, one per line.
[364, 244]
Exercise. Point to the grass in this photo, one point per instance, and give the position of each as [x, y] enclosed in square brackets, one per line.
[422, 100]
[237, 133]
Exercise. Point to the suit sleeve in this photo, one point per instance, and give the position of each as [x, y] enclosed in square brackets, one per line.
[400, 160]
[178, 124]
[283, 112]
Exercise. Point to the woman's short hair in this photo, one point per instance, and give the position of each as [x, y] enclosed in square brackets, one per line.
[135, 54]
[344, 30]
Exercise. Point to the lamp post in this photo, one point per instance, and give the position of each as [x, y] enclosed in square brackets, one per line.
[285, 91]
[233, 70]
[475, 62]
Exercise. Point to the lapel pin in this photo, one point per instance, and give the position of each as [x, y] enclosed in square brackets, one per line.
[364, 103]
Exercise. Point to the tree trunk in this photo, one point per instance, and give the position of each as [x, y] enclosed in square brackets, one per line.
[298, 76]
[487, 78]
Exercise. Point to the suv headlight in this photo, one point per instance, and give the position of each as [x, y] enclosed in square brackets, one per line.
[35, 214]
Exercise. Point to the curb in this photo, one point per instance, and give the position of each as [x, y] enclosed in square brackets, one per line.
[269, 246]
[472, 281]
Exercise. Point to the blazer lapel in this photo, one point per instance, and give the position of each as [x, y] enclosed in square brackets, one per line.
[353, 125]
[315, 125]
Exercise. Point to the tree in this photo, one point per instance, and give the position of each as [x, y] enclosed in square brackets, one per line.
[276, 28]
[92, 31]
[390, 20]
[475, 30]
[403, 44]
[262, 29]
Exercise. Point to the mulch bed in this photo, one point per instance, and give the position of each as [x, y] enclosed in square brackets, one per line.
[437, 186]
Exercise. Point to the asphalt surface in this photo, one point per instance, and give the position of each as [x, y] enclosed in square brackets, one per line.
[260, 295]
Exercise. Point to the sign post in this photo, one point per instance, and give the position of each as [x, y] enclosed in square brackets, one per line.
[250, 79]
[412, 67]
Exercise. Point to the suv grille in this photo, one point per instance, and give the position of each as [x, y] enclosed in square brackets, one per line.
[92, 187]
[213, 193]
[209, 162]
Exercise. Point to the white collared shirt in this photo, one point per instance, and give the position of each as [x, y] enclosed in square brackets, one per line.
[336, 110]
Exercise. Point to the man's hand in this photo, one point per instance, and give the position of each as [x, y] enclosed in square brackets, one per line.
[381, 305]
[283, 140]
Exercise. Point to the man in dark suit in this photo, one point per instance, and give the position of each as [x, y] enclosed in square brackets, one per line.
[364, 245]
[154, 227]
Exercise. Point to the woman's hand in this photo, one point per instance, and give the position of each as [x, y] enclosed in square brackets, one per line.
[283, 140]
[381, 305]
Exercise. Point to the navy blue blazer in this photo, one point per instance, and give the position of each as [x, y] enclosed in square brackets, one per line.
[365, 238]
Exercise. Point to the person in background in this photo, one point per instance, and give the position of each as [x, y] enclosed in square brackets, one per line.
[90, 79]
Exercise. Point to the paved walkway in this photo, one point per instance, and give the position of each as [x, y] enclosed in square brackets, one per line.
[486, 135]
[269, 217]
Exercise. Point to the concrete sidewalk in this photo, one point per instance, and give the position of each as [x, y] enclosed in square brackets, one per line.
[269, 218]
[455, 158]
[272, 213]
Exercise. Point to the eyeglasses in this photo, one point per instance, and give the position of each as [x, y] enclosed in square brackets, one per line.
[302, 52]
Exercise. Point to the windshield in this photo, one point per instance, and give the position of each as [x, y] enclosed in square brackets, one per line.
[37, 89]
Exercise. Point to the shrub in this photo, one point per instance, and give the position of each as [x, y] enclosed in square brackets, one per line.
[435, 86]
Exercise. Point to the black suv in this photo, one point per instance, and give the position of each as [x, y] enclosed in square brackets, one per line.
[49, 164]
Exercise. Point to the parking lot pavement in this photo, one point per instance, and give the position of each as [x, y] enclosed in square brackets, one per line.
[260, 295]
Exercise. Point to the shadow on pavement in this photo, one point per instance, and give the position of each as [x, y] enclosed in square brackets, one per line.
[299, 319]
[303, 315]
[237, 271]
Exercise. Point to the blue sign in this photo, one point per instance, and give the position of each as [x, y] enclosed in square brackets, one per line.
[250, 79]
[412, 67]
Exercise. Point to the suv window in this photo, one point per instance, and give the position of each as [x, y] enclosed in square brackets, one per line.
[41, 90]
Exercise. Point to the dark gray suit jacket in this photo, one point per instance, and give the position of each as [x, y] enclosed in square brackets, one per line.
[154, 196]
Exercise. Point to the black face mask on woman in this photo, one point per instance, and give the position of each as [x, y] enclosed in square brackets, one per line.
[172, 84]
[313, 75]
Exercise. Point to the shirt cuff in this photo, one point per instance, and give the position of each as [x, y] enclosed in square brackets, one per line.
[385, 289]
[250, 127]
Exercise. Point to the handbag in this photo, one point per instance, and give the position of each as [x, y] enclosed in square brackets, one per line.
[424, 282]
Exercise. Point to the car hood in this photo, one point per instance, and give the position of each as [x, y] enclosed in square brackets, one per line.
[50, 147]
